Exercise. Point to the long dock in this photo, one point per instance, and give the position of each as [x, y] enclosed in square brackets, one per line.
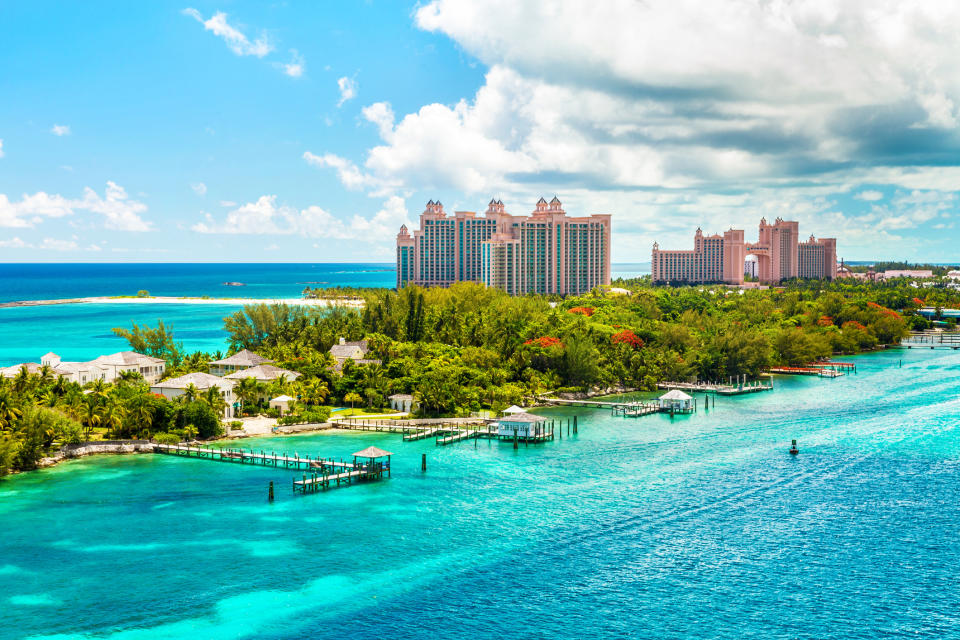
[718, 388]
[807, 371]
[263, 458]
[932, 340]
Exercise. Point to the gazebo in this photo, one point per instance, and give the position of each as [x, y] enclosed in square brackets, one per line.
[513, 409]
[373, 468]
[677, 401]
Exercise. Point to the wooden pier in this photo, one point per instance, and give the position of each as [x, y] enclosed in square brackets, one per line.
[719, 388]
[932, 340]
[368, 465]
[262, 458]
[635, 409]
[807, 371]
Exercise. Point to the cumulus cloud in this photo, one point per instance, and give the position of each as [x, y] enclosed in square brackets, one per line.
[296, 66]
[199, 188]
[115, 207]
[236, 40]
[60, 130]
[676, 113]
[266, 217]
[348, 90]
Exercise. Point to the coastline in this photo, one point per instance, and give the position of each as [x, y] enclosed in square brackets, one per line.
[302, 302]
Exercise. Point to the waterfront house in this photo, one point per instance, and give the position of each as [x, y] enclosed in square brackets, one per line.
[522, 425]
[401, 402]
[174, 388]
[265, 373]
[676, 401]
[237, 362]
[107, 368]
[356, 351]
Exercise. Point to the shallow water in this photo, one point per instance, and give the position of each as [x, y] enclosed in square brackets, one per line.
[636, 527]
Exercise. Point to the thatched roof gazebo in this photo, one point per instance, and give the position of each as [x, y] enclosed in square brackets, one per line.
[374, 467]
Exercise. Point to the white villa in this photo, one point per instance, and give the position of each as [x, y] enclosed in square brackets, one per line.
[107, 368]
[356, 351]
[237, 362]
[263, 373]
[174, 388]
[523, 425]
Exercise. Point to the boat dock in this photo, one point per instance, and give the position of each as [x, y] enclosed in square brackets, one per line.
[719, 388]
[932, 340]
[367, 465]
[635, 409]
[263, 458]
[807, 371]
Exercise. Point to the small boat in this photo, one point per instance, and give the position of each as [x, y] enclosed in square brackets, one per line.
[793, 448]
[234, 284]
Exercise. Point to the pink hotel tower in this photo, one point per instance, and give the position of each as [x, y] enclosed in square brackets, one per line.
[720, 258]
[545, 252]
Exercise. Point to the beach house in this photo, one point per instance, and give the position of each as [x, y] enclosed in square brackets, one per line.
[401, 402]
[356, 351]
[107, 368]
[239, 361]
[175, 387]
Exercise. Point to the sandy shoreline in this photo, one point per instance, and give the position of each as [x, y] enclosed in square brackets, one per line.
[304, 302]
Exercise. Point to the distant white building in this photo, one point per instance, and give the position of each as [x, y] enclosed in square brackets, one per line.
[107, 368]
[174, 388]
[239, 361]
[906, 273]
[264, 373]
[401, 402]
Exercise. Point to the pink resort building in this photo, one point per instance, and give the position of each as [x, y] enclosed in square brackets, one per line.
[777, 255]
[545, 252]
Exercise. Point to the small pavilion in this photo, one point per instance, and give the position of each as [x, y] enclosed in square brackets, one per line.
[513, 409]
[677, 401]
[374, 465]
[281, 404]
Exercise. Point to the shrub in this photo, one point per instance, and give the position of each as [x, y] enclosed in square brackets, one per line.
[166, 438]
[143, 293]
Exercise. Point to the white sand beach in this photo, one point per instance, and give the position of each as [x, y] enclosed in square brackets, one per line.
[305, 302]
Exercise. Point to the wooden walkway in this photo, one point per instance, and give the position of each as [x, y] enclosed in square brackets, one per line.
[932, 340]
[636, 409]
[423, 434]
[717, 387]
[263, 458]
[807, 371]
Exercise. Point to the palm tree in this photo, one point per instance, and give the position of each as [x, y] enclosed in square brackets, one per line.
[91, 414]
[248, 391]
[45, 373]
[9, 412]
[214, 398]
[129, 377]
[352, 398]
[279, 386]
[21, 381]
[190, 393]
[113, 415]
[316, 392]
[141, 413]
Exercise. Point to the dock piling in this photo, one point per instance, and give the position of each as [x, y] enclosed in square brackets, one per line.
[423, 462]
[270, 492]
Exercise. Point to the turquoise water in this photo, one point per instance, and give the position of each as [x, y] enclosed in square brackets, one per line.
[82, 331]
[699, 526]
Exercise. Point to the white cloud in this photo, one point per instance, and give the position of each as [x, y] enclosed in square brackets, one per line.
[266, 217]
[13, 243]
[348, 173]
[48, 244]
[1, 147]
[869, 195]
[118, 210]
[227, 203]
[236, 40]
[60, 130]
[348, 90]
[199, 188]
[296, 66]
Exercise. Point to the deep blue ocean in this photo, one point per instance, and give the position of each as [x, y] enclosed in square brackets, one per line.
[83, 331]
[700, 526]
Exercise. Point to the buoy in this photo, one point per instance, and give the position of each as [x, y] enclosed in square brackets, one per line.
[793, 448]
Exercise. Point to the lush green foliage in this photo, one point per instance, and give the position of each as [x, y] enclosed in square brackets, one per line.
[39, 411]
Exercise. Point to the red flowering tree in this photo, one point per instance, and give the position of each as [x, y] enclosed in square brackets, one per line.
[545, 342]
[627, 337]
[585, 311]
[853, 324]
[825, 321]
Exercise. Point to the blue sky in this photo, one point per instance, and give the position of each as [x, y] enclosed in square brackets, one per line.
[303, 131]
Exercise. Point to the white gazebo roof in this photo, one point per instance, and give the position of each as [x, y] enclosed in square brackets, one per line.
[283, 398]
[676, 394]
[522, 417]
[514, 409]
